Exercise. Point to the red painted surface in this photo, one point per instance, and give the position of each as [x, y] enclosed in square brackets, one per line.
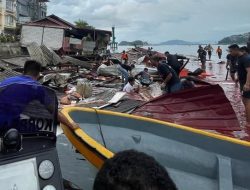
[204, 107]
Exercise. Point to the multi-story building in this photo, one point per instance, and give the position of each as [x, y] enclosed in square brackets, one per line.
[13, 12]
[7, 16]
[31, 10]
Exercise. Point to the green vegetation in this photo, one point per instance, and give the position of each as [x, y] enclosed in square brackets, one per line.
[83, 24]
[134, 43]
[235, 39]
[7, 38]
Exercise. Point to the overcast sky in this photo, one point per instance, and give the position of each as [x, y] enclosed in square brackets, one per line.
[160, 20]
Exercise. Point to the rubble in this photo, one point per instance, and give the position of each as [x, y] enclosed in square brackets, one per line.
[82, 81]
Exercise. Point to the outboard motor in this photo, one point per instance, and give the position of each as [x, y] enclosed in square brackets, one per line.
[28, 155]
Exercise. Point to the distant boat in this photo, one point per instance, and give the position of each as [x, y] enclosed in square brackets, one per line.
[195, 159]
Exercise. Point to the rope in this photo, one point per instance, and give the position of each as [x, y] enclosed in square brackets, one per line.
[100, 127]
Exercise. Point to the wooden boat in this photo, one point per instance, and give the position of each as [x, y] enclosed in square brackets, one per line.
[195, 159]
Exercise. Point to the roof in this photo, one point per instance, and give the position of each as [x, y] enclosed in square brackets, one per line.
[52, 21]
[82, 32]
[203, 108]
[57, 22]
[95, 30]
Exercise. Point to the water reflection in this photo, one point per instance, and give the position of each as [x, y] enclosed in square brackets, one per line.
[75, 169]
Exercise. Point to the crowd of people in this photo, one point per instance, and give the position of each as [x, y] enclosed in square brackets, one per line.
[168, 66]
[207, 50]
[131, 169]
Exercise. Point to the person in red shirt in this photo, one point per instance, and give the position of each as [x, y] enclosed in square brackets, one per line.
[124, 56]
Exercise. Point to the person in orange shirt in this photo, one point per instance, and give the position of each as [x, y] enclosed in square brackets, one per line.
[219, 52]
[124, 56]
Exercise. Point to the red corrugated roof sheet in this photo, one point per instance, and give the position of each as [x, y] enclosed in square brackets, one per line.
[204, 107]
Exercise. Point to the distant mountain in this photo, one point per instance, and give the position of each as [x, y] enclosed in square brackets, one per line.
[134, 43]
[178, 42]
[235, 39]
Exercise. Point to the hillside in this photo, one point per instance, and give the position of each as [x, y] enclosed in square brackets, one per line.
[235, 39]
[177, 42]
[134, 43]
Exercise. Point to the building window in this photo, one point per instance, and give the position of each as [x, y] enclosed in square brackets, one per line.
[23, 9]
[10, 5]
[9, 20]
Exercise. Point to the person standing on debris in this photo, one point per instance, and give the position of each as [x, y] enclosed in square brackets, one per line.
[209, 50]
[171, 81]
[198, 52]
[124, 57]
[202, 54]
[244, 77]
[219, 52]
[173, 61]
[125, 71]
[129, 87]
[30, 76]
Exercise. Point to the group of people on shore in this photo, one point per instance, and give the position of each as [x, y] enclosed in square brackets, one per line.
[207, 50]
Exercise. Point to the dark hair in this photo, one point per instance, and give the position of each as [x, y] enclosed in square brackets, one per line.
[244, 48]
[234, 46]
[166, 52]
[146, 69]
[132, 170]
[32, 68]
[132, 66]
[157, 58]
[131, 79]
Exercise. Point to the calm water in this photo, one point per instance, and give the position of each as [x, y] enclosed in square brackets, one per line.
[188, 50]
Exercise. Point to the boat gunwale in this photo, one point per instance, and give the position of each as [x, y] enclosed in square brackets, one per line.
[67, 110]
[103, 153]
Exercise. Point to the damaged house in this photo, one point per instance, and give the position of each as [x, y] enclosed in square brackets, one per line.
[60, 35]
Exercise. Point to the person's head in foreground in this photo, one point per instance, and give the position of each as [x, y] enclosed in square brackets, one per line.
[131, 81]
[132, 170]
[32, 68]
[244, 50]
[146, 70]
[234, 50]
[166, 53]
[155, 60]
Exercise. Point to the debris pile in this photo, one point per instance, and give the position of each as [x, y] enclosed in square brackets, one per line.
[85, 81]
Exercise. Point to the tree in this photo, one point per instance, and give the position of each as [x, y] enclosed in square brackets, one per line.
[83, 24]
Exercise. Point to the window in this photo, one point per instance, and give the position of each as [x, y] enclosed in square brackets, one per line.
[23, 9]
[9, 20]
[10, 5]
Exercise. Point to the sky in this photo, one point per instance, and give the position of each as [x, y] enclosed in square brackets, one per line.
[157, 21]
